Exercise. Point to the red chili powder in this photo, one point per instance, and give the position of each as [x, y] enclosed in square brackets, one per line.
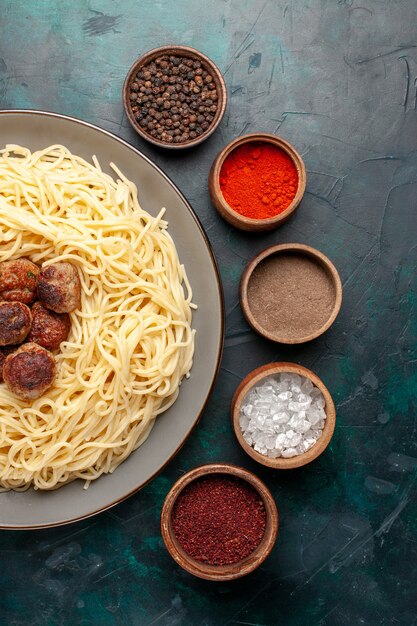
[219, 520]
[258, 180]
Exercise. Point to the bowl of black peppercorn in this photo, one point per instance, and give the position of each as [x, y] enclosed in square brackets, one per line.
[174, 96]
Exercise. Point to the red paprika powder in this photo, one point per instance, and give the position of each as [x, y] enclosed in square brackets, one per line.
[219, 520]
[258, 180]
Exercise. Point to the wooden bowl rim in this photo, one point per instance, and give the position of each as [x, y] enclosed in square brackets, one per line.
[224, 572]
[306, 250]
[248, 223]
[253, 378]
[190, 52]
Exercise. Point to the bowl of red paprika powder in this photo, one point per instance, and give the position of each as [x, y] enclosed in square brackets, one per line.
[219, 522]
[257, 181]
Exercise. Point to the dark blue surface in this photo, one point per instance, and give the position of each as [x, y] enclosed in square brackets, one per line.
[337, 78]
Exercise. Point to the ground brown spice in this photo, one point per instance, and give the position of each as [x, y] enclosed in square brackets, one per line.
[291, 295]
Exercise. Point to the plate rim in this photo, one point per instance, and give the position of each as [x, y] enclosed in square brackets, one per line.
[220, 347]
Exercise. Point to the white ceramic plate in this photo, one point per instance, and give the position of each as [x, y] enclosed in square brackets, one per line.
[35, 509]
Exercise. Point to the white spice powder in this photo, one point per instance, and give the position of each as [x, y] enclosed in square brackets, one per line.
[283, 416]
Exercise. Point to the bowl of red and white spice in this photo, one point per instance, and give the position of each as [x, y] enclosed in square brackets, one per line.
[257, 181]
[219, 522]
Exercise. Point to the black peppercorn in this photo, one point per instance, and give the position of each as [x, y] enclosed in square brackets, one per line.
[173, 98]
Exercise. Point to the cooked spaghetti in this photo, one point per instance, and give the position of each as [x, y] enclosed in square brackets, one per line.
[131, 341]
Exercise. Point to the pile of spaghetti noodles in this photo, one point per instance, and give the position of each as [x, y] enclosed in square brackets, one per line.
[130, 344]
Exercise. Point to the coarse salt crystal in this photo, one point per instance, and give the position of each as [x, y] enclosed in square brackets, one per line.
[262, 405]
[270, 443]
[294, 439]
[280, 440]
[283, 416]
[247, 410]
[243, 422]
[280, 418]
[320, 402]
[274, 453]
[297, 406]
[303, 426]
[269, 427]
[307, 386]
[289, 452]
[289, 377]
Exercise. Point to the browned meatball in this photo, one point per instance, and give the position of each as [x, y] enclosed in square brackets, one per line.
[4, 352]
[15, 323]
[18, 280]
[59, 288]
[29, 371]
[48, 328]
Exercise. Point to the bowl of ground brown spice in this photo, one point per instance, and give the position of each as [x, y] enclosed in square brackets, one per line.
[219, 522]
[174, 96]
[290, 293]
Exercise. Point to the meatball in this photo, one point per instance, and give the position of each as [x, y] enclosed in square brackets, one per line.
[4, 352]
[29, 371]
[59, 287]
[15, 322]
[18, 280]
[48, 328]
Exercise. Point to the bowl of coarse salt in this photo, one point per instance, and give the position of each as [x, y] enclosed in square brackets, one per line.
[283, 415]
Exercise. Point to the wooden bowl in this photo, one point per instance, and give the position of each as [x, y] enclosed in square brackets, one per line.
[235, 218]
[190, 53]
[254, 378]
[322, 283]
[217, 572]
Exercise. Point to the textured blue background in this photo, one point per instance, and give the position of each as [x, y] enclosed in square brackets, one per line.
[337, 78]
